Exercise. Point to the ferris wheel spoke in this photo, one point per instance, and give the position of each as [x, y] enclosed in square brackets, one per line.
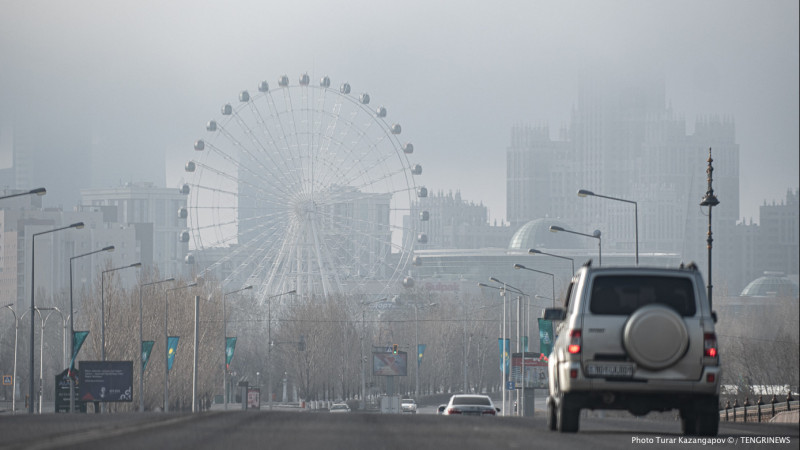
[251, 156]
[235, 179]
[244, 168]
[347, 223]
[265, 150]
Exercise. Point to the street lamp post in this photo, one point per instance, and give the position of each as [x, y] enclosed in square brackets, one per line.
[37, 191]
[166, 342]
[416, 344]
[553, 278]
[72, 327]
[533, 251]
[269, 337]
[364, 306]
[585, 193]
[141, 340]
[506, 286]
[595, 235]
[77, 225]
[14, 375]
[709, 200]
[225, 345]
[103, 306]
[52, 309]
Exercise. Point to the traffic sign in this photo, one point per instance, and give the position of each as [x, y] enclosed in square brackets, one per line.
[510, 385]
[7, 380]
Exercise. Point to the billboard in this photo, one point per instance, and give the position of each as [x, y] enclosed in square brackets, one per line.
[389, 364]
[535, 370]
[106, 381]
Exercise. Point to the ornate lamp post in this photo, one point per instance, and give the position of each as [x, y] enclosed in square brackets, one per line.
[709, 200]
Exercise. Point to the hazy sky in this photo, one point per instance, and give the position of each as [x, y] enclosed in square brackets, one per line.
[139, 79]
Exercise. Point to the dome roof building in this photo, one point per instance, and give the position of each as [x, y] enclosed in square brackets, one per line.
[772, 284]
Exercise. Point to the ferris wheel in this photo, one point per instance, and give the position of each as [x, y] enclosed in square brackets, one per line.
[303, 187]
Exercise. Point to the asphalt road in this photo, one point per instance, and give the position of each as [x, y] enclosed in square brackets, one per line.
[305, 430]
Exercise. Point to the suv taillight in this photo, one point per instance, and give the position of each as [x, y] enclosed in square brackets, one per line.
[710, 345]
[452, 411]
[574, 341]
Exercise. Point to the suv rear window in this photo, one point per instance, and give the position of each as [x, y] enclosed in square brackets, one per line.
[623, 294]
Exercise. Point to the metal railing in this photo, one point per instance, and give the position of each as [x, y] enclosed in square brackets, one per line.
[760, 411]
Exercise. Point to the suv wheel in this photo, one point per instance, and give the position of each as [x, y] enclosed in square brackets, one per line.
[701, 418]
[551, 415]
[688, 422]
[567, 415]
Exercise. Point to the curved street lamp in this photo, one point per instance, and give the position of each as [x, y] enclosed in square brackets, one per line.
[166, 342]
[76, 225]
[586, 193]
[533, 251]
[553, 278]
[38, 191]
[110, 248]
[141, 365]
[225, 345]
[103, 306]
[595, 235]
[14, 376]
[269, 344]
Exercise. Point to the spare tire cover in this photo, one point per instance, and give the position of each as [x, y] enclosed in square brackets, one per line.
[655, 337]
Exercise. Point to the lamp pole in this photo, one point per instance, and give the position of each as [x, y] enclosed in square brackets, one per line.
[269, 337]
[37, 191]
[166, 342]
[77, 225]
[709, 200]
[141, 340]
[72, 326]
[14, 376]
[553, 278]
[103, 306]
[585, 193]
[506, 286]
[225, 346]
[533, 251]
[595, 235]
[39, 310]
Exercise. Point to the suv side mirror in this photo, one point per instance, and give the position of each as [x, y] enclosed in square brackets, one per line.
[554, 314]
[714, 316]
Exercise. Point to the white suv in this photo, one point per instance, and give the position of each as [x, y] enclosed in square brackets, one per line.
[636, 339]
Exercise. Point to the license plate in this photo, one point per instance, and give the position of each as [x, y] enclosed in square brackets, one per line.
[610, 370]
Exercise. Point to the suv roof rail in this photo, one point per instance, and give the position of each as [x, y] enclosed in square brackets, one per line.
[691, 266]
[587, 263]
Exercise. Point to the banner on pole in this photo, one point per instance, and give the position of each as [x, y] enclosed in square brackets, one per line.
[78, 338]
[172, 342]
[504, 345]
[230, 347]
[420, 351]
[147, 347]
[545, 337]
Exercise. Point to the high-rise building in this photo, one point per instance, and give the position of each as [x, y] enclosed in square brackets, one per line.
[153, 212]
[455, 223]
[624, 141]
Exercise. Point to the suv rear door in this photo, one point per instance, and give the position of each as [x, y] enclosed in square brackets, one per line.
[645, 324]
